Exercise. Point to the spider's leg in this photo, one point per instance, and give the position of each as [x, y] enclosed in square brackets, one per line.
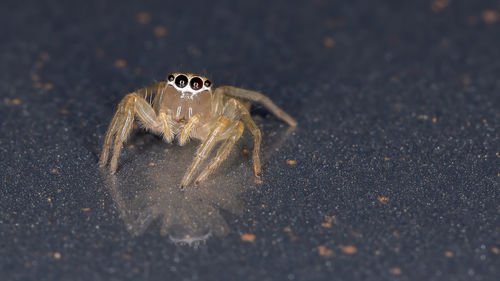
[149, 102]
[224, 150]
[131, 105]
[158, 123]
[260, 98]
[186, 131]
[108, 140]
[243, 113]
[217, 103]
[205, 148]
[127, 119]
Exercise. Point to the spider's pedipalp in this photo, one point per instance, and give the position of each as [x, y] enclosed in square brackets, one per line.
[188, 128]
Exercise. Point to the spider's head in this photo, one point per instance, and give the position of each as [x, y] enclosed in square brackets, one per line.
[189, 83]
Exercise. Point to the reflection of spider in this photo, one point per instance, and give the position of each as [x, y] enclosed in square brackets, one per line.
[185, 106]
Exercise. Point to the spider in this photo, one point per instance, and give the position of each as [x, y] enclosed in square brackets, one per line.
[185, 106]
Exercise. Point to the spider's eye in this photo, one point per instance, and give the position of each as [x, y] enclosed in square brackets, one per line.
[181, 81]
[196, 83]
[208, 83]
[171, 78]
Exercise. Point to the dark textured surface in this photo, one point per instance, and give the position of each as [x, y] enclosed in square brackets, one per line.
[397, 150]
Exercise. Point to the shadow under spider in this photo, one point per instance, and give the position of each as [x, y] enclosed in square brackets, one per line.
[146, 186]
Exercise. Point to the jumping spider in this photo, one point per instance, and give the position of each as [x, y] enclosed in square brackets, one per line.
[185, 106]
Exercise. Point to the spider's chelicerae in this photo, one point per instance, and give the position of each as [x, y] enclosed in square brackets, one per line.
[185, 106]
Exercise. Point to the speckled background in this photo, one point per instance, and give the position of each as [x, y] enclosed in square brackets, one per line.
[397, 164]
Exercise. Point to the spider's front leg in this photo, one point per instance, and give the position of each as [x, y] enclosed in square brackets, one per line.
[131, 106]
[228, 127]
[206, 146]
[233, 134]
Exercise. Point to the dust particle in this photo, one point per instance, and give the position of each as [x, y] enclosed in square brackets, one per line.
[143, 18]
[449, 254]
[288, 230]
[438, 5]
[387, 158]
[35, 77]
[120, 63]
[39, 64]
[100, 53]
[57, 255]
[328, 222]
[472, 20]
[348, 249]
[48, 86]
[466, 80]
[247, 237]
[329, 42]
[495, 250]
[59, 190]
[16, 101]
[49, 199]
[151, 164]
[54, 171]
[382, 199]
[85, 209]
[422, 117]
[193, 50]
[160, 31]
[335, 23]
[291, 162]
[324, 251]
[396, 270]
[490, 16]
[44, 56]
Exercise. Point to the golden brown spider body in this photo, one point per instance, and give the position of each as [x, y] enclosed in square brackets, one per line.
[184, 106]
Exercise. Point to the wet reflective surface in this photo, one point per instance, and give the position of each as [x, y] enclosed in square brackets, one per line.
[146, 188]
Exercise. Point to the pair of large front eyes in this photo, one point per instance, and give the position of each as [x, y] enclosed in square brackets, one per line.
[196, 83]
